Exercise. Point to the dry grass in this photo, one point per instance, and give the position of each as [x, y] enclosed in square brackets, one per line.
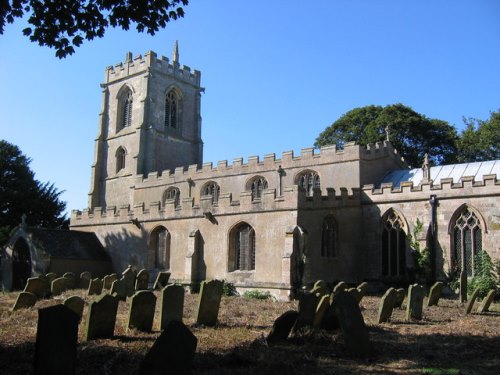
[444, 342]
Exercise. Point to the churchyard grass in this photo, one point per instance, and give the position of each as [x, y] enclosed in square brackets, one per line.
[445, 341]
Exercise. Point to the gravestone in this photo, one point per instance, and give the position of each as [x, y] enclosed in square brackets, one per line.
[56, 341]
[355, 293]
[463, 286]
[24, 300]
[51, 276]
[486, 302]
[330, 320]
[72, 281]
[128, 278]
[171, 304]
[59, 286]
[95, 287]
[321, 309]
[471, 302]
[161, 280]
[320, 287]
[142, 311]
[108, 281]
[340, 287]
[386, 305]
[101, 318]
[416, 294]
[308, 303]
[172, 352]
[37, 286]
[75, 304]
[435, 294]
[46, 283]
[352, 325]
[282, 327]
[400, 297]
[142, 280]
[209, 302]
[363, 288]
[119, 290]
[85, 278]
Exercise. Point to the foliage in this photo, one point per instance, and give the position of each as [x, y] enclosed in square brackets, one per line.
[411, 133]
[256, 294]
[229, 290]
[420, 256]
[21, 193]
[484, 278]
[64, 25]
[480, 140]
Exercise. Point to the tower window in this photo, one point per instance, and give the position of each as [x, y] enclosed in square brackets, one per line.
[171, 110]
[257, 185]
[467, 240]
[120, 159]
[309, 181]
[125, 109]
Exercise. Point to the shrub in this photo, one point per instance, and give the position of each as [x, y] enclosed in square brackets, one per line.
[229, 289]
[257, 294]
[484, 278]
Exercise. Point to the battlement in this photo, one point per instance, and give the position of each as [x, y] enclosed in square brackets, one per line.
[150, 62]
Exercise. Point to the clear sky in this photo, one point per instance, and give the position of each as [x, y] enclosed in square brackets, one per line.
[276, 74]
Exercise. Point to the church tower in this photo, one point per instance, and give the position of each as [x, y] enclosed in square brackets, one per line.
[150, 122]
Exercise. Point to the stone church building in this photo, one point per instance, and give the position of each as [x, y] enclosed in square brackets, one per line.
[275, 223]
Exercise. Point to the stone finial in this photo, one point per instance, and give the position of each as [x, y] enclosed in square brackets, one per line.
[128, 57]
[175, 53]
[426, 169]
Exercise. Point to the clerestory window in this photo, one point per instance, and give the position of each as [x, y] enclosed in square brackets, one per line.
[309, 181]
[172, 194]
[212, 189]
[257, 186]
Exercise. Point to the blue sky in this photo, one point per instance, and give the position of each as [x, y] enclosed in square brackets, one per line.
[276, 74]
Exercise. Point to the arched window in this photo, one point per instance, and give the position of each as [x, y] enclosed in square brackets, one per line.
[211, 188]
[467, 240]
[160, 248]
[309, 181]
[329, 238]
[242, 252]
[172, 194]
[125, 109]
[172, 103]
[120, 159]
[393, 245]
[257, 185]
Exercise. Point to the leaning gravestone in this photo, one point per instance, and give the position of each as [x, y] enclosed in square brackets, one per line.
[56, 341]
[171, 304]
[59, 286]
[119, 290]
[161, 280]
[37, 286]
[340, 287]
[142, 311]
[330, 319]
[463, 286]
[435, 294]
[486, 302]
[320, 287]
[51, 276]
[172, 352]
[209, 302]
[72, 281]
[308, 303]
[75, 304]
[128, 277]
[416, 294]
[101, 318]
[363, 288]
[108, 281]
[352, 325]
[386, 305]
[321, 309]
[282, 327]
[142, 280]
[95, 287]
[400, 297]
[355, 293]
[24, 300]
[471, 302]
[85, 278]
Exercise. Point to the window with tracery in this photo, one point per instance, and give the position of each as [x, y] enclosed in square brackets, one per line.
[120, 159]
[467, 240]
[242, 256]
[257, 186]
[125, 111]
[212, 189]
[329, 238]
[171, 110]
[172, 194]
[309, 181]
[393, 246]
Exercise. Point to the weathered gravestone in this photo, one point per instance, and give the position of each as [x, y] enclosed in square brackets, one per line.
[56, 340]
[24, 300]
[320, 287]
[435, 294]
[321, 309]
[46, 283]
[355, 293]
[172, 352]
[171, 304]
[128, 278]
[472, 301]
[330, 319]
[463, 286]
[486, 302]
[51, 276]
[37, 286]
[72, 280]
[142, 280]
[209, 302]
[119, 290]
[416, 294]
[340, 287]
[363, 289]
[308, 304]
[75, 304]
[142, 311]
[108, 281]
[352, 325]
[161, 280]
[59, 286]
[101, 318]
[85, 278]
[386, 305]
[400, 297]
[95, 287]
[282, 327]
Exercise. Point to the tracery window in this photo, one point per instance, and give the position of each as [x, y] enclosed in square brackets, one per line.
[212, 189]
[393, 245]
[467, 240]
[309, 181]
[172, 194]
[171, 109]
[242, 252]
[120, 159]
[125, 109]
[257, 185]
[329, 237]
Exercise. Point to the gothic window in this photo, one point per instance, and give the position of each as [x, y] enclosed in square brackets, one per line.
[120, 159]
[172, 194]
[309, 181]
[329, 238]
[212, 189]
[125, 109]
[393, 245]
[171, 110]
[467, 240]
[242, 252]
[257, 185]
[160, 248]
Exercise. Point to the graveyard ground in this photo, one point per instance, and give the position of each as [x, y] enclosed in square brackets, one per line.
[445, 342]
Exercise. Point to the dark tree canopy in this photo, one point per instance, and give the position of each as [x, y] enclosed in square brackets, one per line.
[411, 133]
[21, 194]
[480, 140]
[65, 24]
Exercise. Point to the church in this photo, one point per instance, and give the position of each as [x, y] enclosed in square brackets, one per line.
[275, 223]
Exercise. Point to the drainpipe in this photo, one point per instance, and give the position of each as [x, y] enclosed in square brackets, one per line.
[432, 240]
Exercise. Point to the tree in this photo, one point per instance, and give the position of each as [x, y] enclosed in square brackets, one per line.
[411, 133]
[21, 194]
[64, 25]
[480, 140]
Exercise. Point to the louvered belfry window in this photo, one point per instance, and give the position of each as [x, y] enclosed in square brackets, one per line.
[171, 110]
[467, 240]
[127, 110]
[393, 246]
